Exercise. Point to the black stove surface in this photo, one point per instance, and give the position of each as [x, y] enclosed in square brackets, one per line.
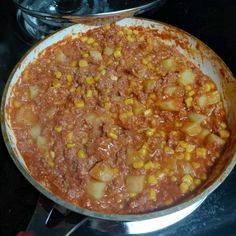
[212, 21]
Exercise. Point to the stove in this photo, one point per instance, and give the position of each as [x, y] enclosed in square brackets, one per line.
[22, 208]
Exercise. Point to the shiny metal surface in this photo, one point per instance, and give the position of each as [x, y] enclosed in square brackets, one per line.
[199, 54]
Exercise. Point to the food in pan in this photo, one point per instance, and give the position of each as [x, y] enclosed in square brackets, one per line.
[115, 121]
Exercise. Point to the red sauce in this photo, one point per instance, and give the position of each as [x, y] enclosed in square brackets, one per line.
[115, 121]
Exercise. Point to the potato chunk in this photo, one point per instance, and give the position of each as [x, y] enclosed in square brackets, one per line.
[95, 189]
[204, 133]
[96, 55]
[208, 99]
[186, 77]
[60, 56]
[135, 183]
[196, 117]
[35, 131]
[171, 90]
[169, 105]
[26, 116]
[214, 139]
[34, 91]
[102, 172]
[192, 128]
[169, 64]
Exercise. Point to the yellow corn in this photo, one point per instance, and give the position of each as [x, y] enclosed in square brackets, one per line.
[128, 31]
[138, 164]
[197, 182]
[129, 101]
[183, 144]
[89, 93]
[169, 151]
[173, 178]
[201, 152]
[188, 87]
[178, 124]
[190, 147]
[120, 33]
[152, 180]
[208, 87]
[69, 78]
[112, 134]
[85, 55]
[117, 53]
[79, 103]
[70, 136]
[70, 145]
[56, 84]
[141, 39]
[143, 150]
[191, 93]
[130, 38]
[107, 105]
[90, 40]
[168, 202]
[223, 125]
[52, 154]
[150, 132]
[203, 176]
[16, 104]
[72, 89]
[73, 63]
[58, 74]
[125, 115]
[149, 165]
[152, 195]
[196, 165]
[84, 38]
[187, 179]
[89, 80]
[184, 187]
[132, 194]
[187, 156]
[148, 113]
[135, 32]
[145, 61]
[179, 156]
[224, 133]
[50, 163]
[152, 96]
[179, 149]
[188, 101]
[83, 63]
[97, 78]
[81, 154]
[58, 129]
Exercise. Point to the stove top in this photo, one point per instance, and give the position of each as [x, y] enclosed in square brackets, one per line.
[212, 21]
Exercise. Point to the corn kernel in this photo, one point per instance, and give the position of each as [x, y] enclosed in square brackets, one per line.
[129, 101]
[183, 144]
[130, 38]
[107, 105]
[90, 40]
[150, 132]
[179, 156]
[224, 133]
[117, 53]
[50, 163]
[83, 63]
[84, 140]
[152, 180]
[138, 164]
[85, 55]
[149, 165]
[223, 125]
[152, 96]
[84, 38]
[114, 78]
[128, 31]
[89, 93]
[179, 149]
[52, 154]
[162, 134]
[145, 61]
[72, 89]
[196, 165]
[150, 65]
[191, 93]
[73, 63]
[190, 147]
[184, 187]
[89, 80]
[106, 27]
[70, 145]
[143, 150]
[56, 84]
[58, 74]
[173, 178]
[70, 136]
[132, 194]
[81, 154]
[168, 202]
[112, 134]
[208, 87]
[188, 87]
[69, 78]
[125, 115]
[152, 195]
[58, 129]
[178, 124]
[120, 33]
[169, 151]
[79, 103]
[188, 101]
[201, 152]
[109, 62]
[135, 32]
[141, 39]
[16, 104]
[147, 113]
[96, 78]
[197, 182]
[187, 156]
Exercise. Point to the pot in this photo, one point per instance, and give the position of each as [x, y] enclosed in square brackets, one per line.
[198, 53]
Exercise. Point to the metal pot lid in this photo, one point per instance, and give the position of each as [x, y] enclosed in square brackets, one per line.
[76, 9]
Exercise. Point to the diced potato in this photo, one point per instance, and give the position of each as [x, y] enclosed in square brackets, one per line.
[102, 172]
[26, 116]
[95, 189]
[34, 91]
[170, 90]
[132, 156]
[96, 55]
[108, 51]
[41, 142]
[138, 108]
[192, 128]
[169, 64]
[135, 183]
[214, 139]
[169, 105]
[209, 99]
[95, 119]
[196, 117]
[204, 133]
[186, 77]
[202, 101]
[60, 56]
[35, 131]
